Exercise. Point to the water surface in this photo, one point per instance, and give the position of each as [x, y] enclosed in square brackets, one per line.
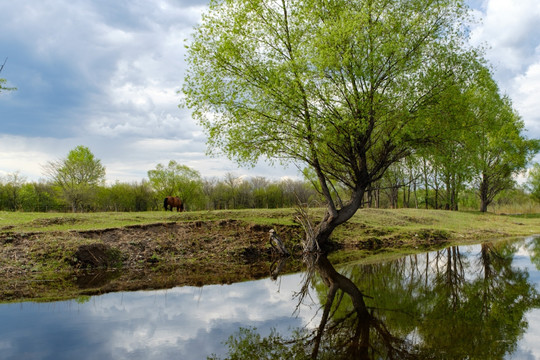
[477, 301]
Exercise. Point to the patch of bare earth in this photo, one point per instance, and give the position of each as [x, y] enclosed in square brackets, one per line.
[135, 257]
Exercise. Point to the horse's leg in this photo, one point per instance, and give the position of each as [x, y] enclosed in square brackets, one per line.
[165, 204]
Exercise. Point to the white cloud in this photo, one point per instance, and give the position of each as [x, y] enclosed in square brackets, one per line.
[125, 160]
[527, 98]
[530, 343]
[17, 153]
[152, 322]
[510, 31]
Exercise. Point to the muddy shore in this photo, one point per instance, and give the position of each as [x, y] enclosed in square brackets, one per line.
[138, 257]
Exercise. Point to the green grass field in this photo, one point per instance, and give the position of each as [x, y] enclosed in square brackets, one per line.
[378, 221]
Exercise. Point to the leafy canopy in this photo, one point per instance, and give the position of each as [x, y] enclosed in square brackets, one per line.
[338, 85]
[80, 167]
[77, 175]
[345, 87]
[176, 180]
[533, 181]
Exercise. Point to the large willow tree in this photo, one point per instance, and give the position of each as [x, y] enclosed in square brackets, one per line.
[346, 87]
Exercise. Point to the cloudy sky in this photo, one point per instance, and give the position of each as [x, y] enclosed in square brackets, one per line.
[105, 74]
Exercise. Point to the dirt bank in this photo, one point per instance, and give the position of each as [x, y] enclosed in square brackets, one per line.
[38, 261]
[136, 257]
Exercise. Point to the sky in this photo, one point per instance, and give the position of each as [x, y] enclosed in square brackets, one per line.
[106, 75]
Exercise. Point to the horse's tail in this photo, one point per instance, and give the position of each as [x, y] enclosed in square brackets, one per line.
[165, 203]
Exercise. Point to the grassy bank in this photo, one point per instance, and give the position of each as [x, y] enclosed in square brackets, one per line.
[51, 222]
[386, 222]
[55, 256]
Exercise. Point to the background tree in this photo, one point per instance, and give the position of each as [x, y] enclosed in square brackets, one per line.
[232, 184]
[390, 184]
[533, 181]
[11, 190]
[501, 150]
[450, 155]
[77, 176]
[178, 180]
[340, 86]
[260, 197]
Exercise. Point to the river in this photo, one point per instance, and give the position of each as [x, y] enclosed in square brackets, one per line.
[476, 301]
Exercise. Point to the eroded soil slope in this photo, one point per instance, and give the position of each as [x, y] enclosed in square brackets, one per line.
[135, 257]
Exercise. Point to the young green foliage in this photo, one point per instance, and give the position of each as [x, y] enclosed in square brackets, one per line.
[78, 176]
[533, 181]
[340, 86]
[176, 180]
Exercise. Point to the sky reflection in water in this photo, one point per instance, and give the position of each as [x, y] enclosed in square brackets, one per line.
[181, 323]
[193, 323]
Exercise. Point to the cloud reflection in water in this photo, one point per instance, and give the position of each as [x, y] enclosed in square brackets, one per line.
[181, 323]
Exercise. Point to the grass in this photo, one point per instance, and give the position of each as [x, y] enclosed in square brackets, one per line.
[530, 207]
[46, 222]
[457, 224]
[378, 223]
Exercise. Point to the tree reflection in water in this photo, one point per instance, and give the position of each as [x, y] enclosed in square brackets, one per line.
[439, 305]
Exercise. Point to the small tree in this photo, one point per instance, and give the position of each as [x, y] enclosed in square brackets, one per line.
[178, 180]
[77, 176]
[533, 181]
[40, 196]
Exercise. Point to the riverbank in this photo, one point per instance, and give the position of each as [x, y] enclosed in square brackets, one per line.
[51, 256]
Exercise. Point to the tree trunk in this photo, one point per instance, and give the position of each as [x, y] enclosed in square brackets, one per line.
[483, 203]
[484, 193]
[436, 191]
[332, 219]
[415, 196]
[359, 346]
[369, 201]
[409, 195]
[426, 184]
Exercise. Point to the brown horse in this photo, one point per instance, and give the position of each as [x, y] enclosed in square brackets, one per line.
[173, 202]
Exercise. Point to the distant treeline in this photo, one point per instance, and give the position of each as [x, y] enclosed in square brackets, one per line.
[402, 187]
[209, 194]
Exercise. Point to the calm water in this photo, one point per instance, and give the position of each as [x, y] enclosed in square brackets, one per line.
[476, 301]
